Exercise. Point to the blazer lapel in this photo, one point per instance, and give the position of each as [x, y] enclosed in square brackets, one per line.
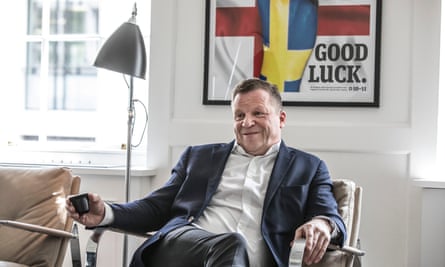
[280, 168]
[217, 161]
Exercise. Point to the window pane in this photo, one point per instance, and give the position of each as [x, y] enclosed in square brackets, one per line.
[34, 17]
[32, 75]
[72, 78]
[74, 17]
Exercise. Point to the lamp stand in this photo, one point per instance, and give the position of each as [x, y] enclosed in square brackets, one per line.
[128, 164]
[124, 52]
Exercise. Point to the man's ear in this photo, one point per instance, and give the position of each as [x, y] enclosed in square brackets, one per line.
[282, 118]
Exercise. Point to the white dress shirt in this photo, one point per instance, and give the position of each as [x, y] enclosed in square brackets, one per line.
[237, 205]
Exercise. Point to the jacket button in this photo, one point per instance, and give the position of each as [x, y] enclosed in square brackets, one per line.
[191, 218]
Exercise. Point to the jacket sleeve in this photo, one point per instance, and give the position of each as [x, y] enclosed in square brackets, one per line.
[153, 211]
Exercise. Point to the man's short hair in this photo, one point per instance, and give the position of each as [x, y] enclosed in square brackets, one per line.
[251, 84]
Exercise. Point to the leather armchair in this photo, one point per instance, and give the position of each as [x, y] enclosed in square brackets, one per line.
[34, 227]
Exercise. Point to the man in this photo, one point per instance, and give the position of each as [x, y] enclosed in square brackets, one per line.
[236, 204]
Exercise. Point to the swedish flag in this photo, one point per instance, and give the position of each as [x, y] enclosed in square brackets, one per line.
[289, 33]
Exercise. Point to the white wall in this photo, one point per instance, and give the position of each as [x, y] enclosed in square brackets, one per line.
[382, 148]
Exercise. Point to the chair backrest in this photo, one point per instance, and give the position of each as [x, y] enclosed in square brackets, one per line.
[349, 201]
[36, 196]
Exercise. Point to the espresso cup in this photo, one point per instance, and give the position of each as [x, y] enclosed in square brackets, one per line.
[80, 203]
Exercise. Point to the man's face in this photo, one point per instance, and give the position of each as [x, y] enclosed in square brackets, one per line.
[257, 121]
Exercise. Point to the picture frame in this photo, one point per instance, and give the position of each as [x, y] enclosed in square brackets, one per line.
[327, 55]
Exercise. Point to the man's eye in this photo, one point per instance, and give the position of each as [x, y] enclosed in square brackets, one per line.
[239, 117]
[260, 114]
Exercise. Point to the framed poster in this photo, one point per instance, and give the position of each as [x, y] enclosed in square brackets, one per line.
[318, 53]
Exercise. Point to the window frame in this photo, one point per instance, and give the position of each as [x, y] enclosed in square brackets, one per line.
[80, 154]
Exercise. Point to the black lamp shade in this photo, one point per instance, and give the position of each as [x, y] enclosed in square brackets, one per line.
[124, 52]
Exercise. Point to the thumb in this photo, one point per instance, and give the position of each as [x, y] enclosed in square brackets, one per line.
[299, 233]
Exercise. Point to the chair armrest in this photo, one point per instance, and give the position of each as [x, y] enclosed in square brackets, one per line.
[347, 249]
[297, 251]
[98, 230]
[37, 228]
[299, 246]
[75, 251]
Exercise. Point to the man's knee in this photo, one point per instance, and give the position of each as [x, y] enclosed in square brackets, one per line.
[237, 240]
[230, 250]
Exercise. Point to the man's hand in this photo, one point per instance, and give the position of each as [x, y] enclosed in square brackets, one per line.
[317, 233]
[94, 216]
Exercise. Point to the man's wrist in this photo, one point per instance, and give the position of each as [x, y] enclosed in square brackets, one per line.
[108, 217]
[334, 228]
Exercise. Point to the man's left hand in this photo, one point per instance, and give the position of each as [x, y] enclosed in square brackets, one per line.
[317, 233]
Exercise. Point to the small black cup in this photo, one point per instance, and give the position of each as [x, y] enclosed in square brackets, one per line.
[80, 203]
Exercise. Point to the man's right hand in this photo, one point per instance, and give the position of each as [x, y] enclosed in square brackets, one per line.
[95, 214]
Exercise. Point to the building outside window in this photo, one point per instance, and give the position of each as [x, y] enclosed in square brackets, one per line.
[55, 106]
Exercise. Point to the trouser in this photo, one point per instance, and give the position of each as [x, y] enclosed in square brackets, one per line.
[190, 246]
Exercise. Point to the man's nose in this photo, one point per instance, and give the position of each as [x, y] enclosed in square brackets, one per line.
[248, 121]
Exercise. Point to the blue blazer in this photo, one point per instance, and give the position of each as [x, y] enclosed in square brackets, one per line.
[299, 189]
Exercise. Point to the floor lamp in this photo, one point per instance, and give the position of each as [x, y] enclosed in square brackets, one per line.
[124, 52]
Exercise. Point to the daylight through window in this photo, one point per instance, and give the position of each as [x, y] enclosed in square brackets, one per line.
[54, 99]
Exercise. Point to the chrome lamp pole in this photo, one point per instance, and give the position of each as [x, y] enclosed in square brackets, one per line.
[124, 52]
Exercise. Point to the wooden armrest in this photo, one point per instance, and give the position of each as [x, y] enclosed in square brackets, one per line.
[37, 228]
[347, 249]
[75, 251]
[98, 231]
[299, 246]
[104, 228]
[297, 251]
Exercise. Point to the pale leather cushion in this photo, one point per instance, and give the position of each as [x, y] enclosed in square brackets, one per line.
[33, 196]
[344, 194]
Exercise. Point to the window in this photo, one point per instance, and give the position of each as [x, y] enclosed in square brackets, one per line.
[53, 99]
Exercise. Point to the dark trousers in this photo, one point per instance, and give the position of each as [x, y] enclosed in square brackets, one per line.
[190, 246]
